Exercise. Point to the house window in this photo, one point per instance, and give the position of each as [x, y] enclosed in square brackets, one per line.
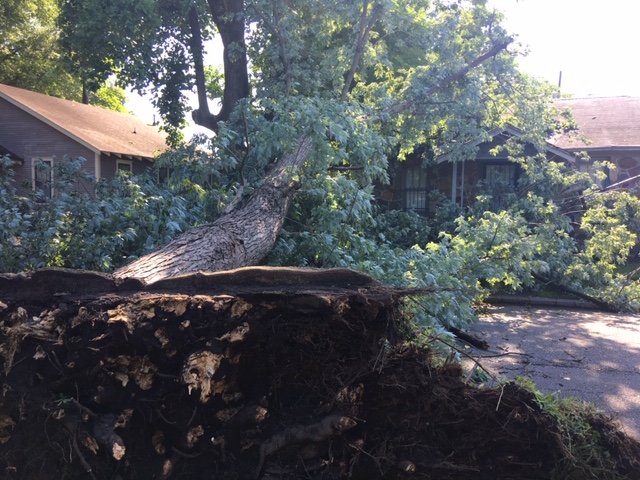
[415, 189]
[42, 176]
[500, 173]
[124, 166]
[500, 182]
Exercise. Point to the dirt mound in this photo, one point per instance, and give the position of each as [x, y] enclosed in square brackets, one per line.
[260, 373]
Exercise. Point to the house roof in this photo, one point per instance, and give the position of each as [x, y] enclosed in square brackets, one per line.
[552, 148]
[99, 129]
[509, 130]
[604, 123]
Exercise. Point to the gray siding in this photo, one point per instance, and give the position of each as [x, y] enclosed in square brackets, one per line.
[32, 139]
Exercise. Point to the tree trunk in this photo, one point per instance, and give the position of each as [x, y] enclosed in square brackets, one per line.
[246, 232]
[229, 17]
[241, 237]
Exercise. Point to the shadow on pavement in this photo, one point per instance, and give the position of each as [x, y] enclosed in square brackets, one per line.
[589, 355]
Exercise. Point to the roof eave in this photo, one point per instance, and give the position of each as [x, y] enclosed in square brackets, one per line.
[612, 148]
[561, 152]
[132, 156]
[514, 131]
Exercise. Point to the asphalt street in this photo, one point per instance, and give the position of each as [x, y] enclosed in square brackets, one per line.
[589, 355]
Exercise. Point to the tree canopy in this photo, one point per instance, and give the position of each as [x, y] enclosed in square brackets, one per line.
[30, 55]
[389, 58]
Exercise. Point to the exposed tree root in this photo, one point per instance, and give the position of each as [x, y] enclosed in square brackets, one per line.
[273, 373]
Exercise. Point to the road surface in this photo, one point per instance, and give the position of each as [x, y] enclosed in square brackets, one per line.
[590, 355]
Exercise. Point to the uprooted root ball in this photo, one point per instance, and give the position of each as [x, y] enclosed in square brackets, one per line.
[266, 374]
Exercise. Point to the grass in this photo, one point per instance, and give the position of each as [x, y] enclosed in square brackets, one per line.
[586, 446]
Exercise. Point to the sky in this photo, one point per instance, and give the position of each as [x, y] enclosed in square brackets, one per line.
[595, 43]
[141, 105]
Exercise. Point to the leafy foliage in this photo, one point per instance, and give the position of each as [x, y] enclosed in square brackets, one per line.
[557, 226]
[109, 96]
[125, 218]
[30, 56]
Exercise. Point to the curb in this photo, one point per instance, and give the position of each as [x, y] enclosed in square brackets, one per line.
[541, 301]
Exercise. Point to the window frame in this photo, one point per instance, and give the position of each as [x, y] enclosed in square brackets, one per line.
[420, 203]
[49, 193]
[128, 163]
[163, 174]
[513, 177]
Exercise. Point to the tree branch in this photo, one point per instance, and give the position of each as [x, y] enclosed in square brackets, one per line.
[205, 118]
[282, 47]
[453, 77]
[228, 15]
[365, 28]
[604, 305]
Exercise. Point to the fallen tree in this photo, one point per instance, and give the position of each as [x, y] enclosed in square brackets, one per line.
[323, 121]
[255, 373]
[243, 235]
[248, 228]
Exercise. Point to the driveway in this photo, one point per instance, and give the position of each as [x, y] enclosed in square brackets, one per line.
[590, 355]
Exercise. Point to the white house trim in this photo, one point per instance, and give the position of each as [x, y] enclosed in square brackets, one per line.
[97, 161]
[50, 161]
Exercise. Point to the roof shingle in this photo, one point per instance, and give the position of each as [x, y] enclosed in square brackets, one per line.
[99, 129]
[605, 122]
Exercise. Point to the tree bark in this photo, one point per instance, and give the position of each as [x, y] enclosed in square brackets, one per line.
[241, 237]
[202, 116]
[228, 15]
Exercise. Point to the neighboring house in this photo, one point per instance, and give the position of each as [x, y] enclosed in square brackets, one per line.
[608, 129]
[37, 129]
[414, 183]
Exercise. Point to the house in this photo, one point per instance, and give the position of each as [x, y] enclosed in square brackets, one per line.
[416, 185]
[608, 129]
[37, 130]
